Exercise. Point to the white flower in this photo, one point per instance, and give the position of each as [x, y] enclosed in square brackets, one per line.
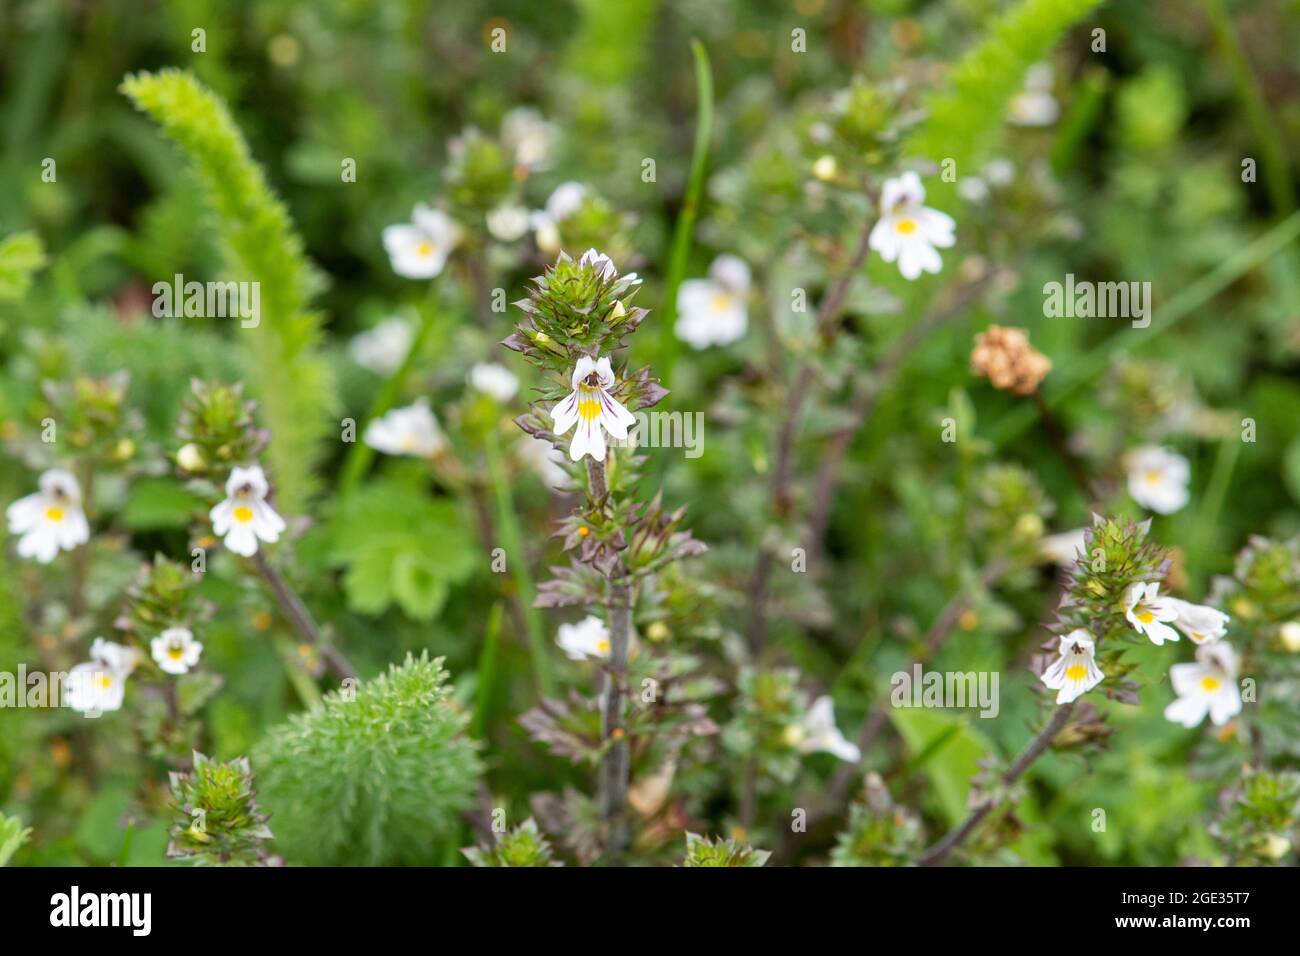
[412, 430]
[546, 460]
[712, 311]
[563, 203]
[507, 222]
[1208, 686]
[493, 379]
[1147, 611]
[419, 250]
[100, 684]
[592, 408]
[819, 733]
[530, 137]
[51, 519]
[589, 638]
[1064, 549]
[383, 348]
[244, 516]
[1157, 479]
[1198, 621]
[175, 650]
[1289, 635]
[1034, 105]
[908, 231]
[1075, 671]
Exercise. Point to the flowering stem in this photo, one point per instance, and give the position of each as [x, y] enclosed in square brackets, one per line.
[615, 766]
[1033, 750]
[293, 609]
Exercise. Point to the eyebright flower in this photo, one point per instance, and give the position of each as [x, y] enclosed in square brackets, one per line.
[1075, 672]
[508, 222]
[175, 650]
[819, 733]
[563, 203]
[1157, 479]
[100, 684]
[244, 516]
[1198, 621]
[51, 519]
[412, 430]
[908, 231]
[382, 349]
[1034, 105]
[589, 638]
[1147, 611]
[1208, 686]
[493, 379]
[592, 408]
[529, 136]
[419, 250]
[712, 311]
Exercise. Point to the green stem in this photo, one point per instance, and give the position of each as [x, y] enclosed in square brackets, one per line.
[1207, 519]
[1277, 174]
[512, 538]
[685, 227]
[487, 669]
[361, 455]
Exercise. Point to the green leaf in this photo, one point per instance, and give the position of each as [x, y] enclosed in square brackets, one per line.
[21, 255]
[947, 749]
[399, 545]
[159, 503]
[12, 836]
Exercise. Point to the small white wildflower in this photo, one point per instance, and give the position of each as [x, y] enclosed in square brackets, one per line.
[1157, 479]
[529, 136]
[412, 430]
[819, 733]
[244, 517]
[51, 519]
[99, 685]
[908, 231]
[1200, 622]
[1148, 612]
[508, 222]
[566, 200]
[589, 638]
[546, 460]
[175, 650]
[1064, 549]
[712, 311]
[493, 379]
[419, 249]
[592, 409]
[1034, 105]
[1208, 686]
[383, 348]
[1075, 672]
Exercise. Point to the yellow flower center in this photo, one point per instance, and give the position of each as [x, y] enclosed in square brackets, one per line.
[105, 681]
[54, 513]
[1209, 684]
[176, 652]
[1145, 616]
[721, 302]
[1151, 476]
[588, 403]
[1076, 672]
[424, 249]
[906, 226]
[243, 514]
[602, 646]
